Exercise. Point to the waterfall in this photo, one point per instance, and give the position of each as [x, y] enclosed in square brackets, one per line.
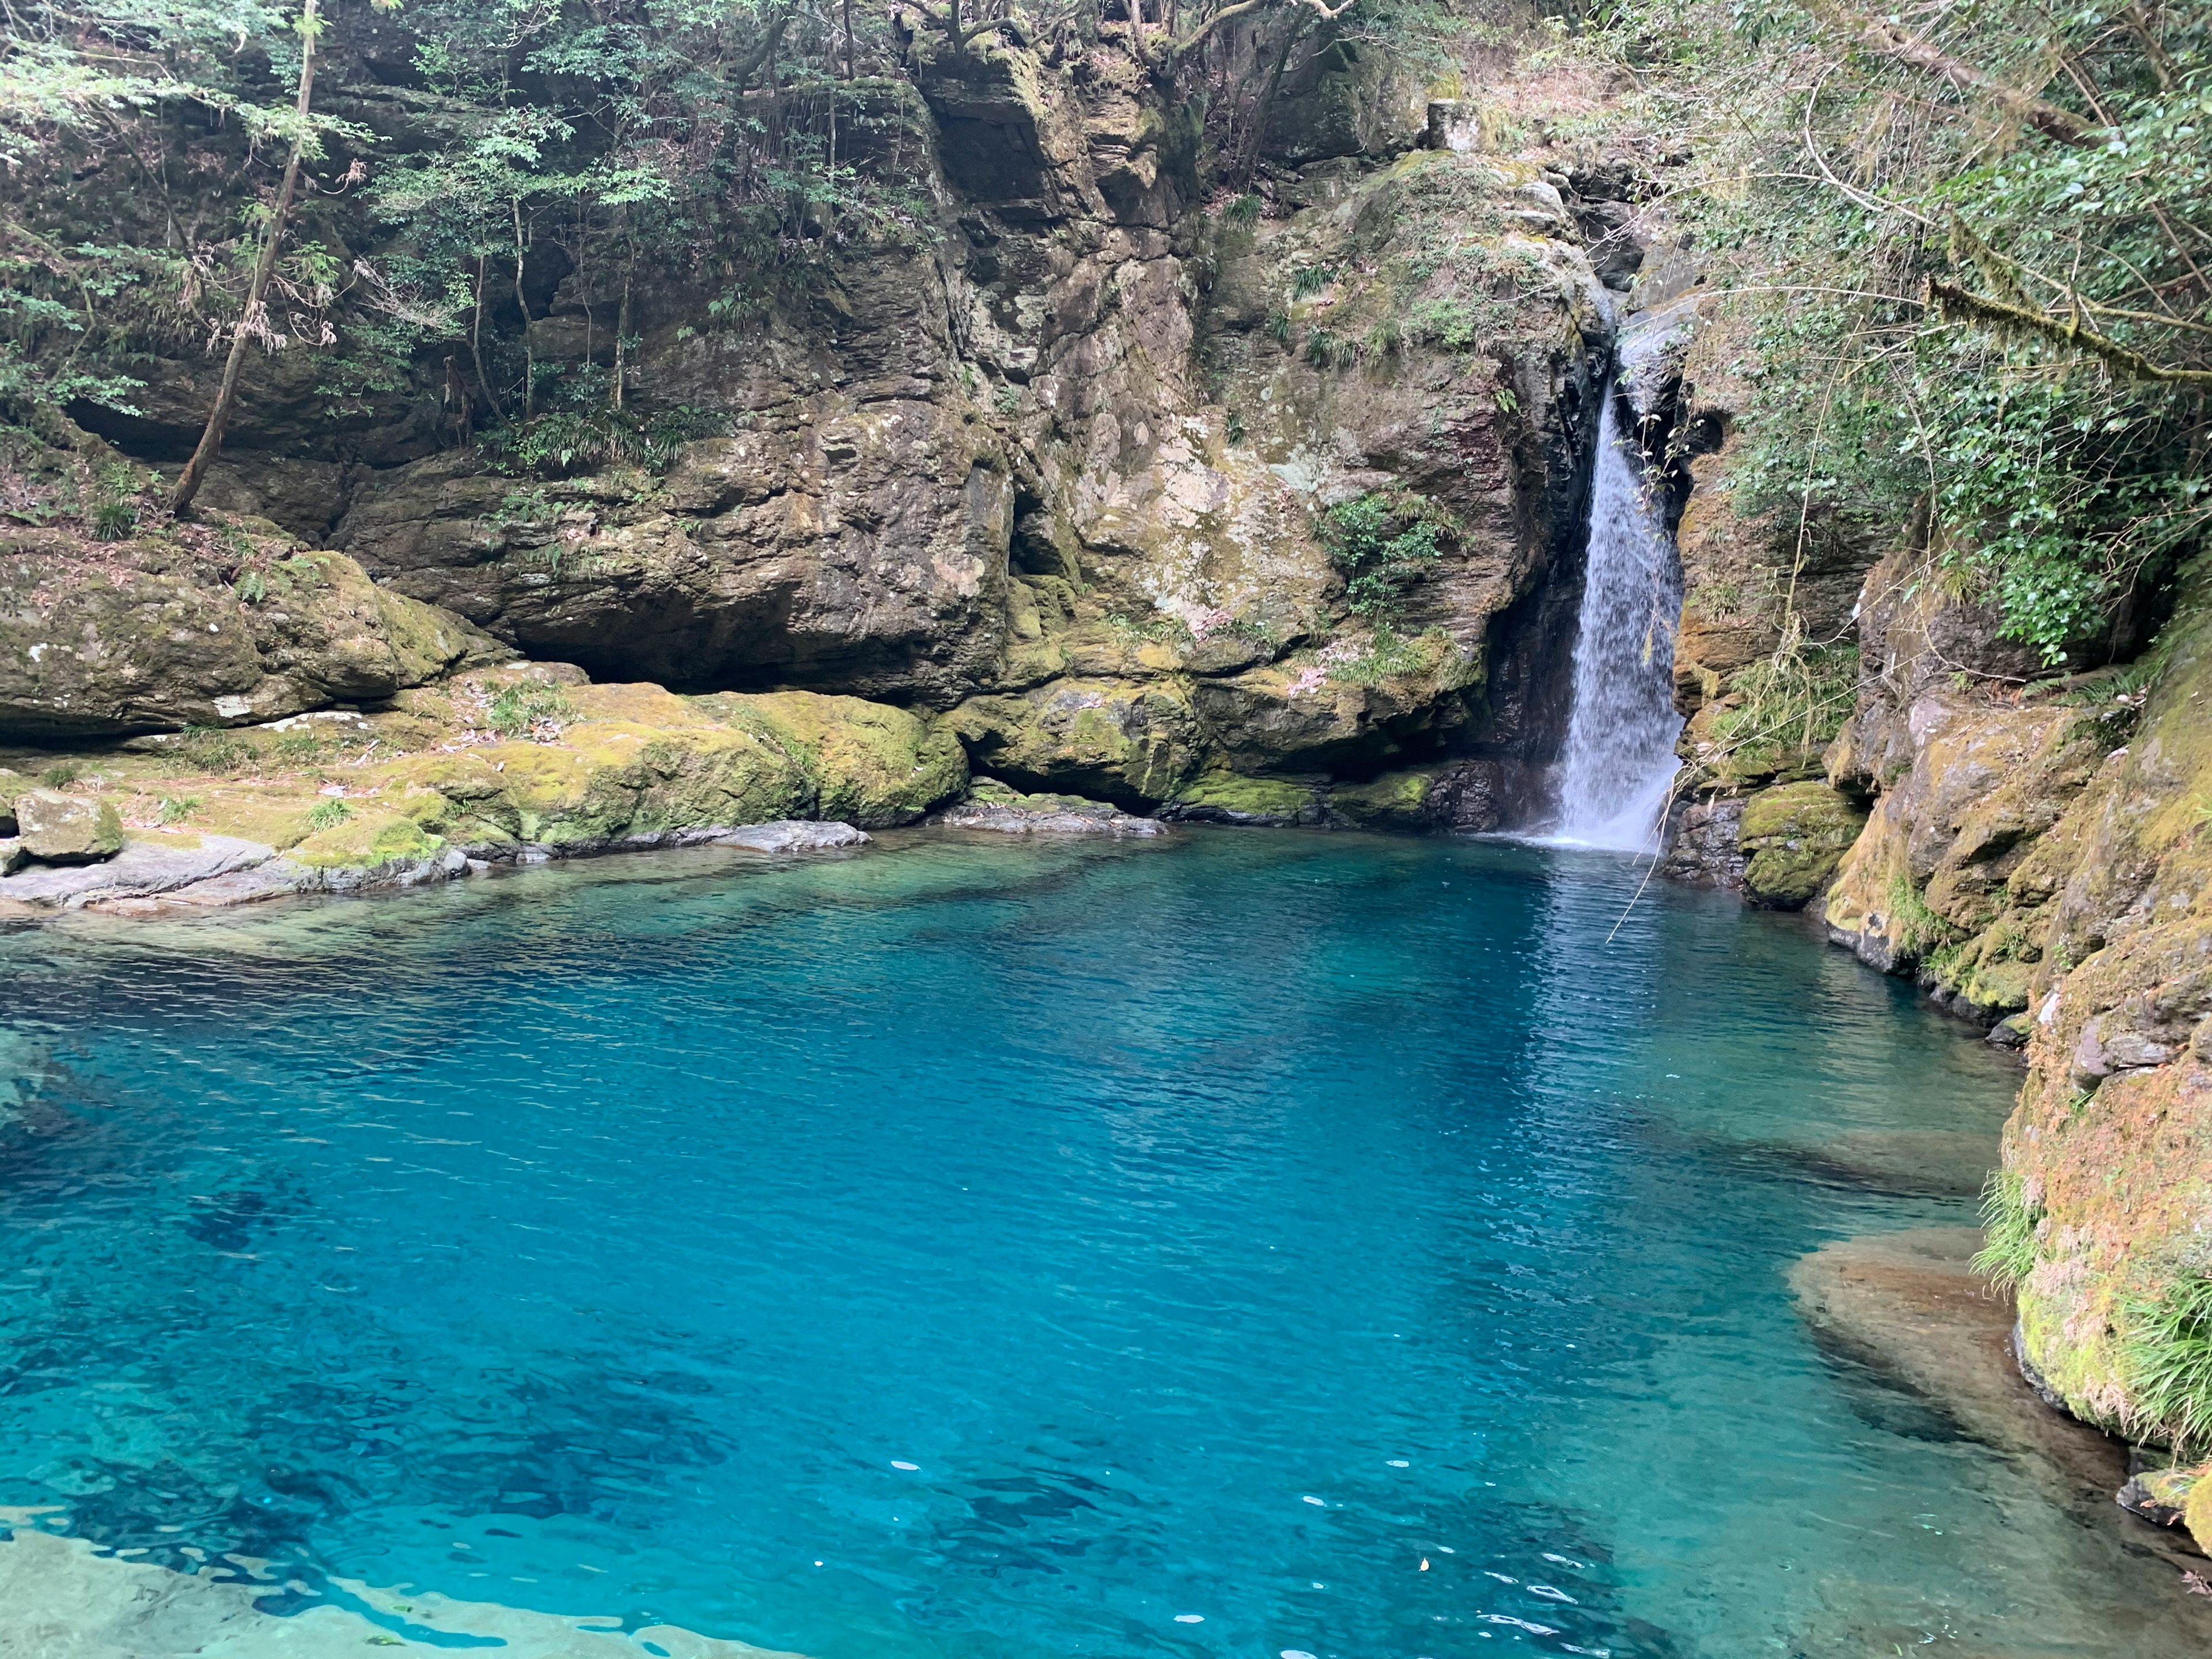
[1619, 759]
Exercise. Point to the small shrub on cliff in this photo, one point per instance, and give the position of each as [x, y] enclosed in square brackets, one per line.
[1381, 542]
[327, 815]
[2165, 1356]
[61, 774]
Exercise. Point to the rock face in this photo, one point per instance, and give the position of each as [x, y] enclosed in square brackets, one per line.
[2041, 857]
[1053, 452]
[1062, 472]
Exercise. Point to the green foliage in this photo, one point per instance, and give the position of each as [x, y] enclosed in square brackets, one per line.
[1326, 349]
[1916, 930]
[1308, 280]
[61, 774]
[526, 709]
[1381, 542]
[1387, 656]
[1243, 210]
[2165, 1352]
[1781, 711]
[175, 809]
[2067, 214]
[327, 815]
[573, 441]
[213, 749]
[2009, 1224]
[1277, 327]
[114, 520]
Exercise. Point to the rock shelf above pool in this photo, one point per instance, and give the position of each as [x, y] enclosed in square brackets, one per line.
[512, 765]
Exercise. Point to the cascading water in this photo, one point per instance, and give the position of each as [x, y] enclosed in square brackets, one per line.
[1619, 761]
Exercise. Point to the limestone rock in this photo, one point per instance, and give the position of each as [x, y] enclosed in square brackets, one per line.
[58, 828]
[793, 836]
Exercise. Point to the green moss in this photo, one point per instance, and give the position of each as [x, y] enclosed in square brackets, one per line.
[366, 838]
[1793, 837]
[1396, 800]
[1266, 799]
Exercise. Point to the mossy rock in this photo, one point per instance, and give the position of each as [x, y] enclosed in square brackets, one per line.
[873, 766]
[1106, 740]
[1396, 800]
[1793, 837]
[1224, 797]
[367, 840]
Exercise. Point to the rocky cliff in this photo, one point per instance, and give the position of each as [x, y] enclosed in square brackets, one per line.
[1056, 459]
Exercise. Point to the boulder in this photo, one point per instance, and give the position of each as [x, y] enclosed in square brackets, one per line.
[59, 829]
[137, 637]
[1792, 838]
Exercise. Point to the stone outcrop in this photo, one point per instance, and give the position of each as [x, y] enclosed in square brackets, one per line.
[107, 640]
[507, 765]
[2041, 856]
[54, 828]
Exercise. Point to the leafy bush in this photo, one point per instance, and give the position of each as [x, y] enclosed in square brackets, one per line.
[1983, 288]
[175, 809]
[327, 815]
[61, 774]
[1783, 710]
[568, 441]
[1381, 542]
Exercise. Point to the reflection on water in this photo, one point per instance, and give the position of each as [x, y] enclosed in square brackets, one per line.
[1254, 1242]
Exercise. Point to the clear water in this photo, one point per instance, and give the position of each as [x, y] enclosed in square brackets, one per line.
[1223, 1229]
[1619, 762]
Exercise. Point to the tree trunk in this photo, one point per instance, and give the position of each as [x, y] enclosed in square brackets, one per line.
[529, 365]
[218, 421]
[476, 345]
[851, 74]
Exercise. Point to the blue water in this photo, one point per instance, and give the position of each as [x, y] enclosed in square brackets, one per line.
[1358, 1247]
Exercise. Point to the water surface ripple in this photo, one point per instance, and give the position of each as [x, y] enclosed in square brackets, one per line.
[1258, 1243]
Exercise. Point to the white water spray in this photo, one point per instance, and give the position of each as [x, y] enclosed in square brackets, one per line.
[1619, 761]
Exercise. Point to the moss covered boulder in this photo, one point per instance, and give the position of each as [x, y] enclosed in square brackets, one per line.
[1221, 796]
[1396, 800]
[1129, 743]
[873, 766]
[1793, 837]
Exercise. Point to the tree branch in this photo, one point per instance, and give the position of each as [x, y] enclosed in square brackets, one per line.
[746, 67]
[1901, 46]
[1956, 302]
